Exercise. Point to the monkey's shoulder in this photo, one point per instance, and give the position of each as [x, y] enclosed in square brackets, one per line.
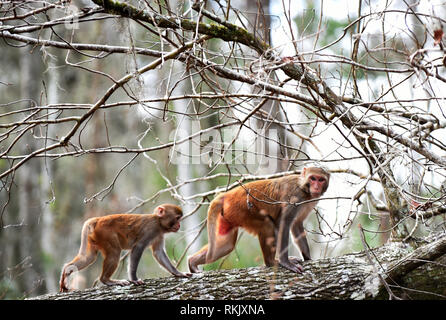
[289, 179]
[120, 219]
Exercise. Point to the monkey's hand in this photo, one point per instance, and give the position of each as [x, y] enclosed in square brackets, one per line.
[136, 282]
[292, 266]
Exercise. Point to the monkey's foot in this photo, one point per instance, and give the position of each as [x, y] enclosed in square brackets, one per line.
[295, 267]
[111, 282]
[184, 275]
[295, 260]
[64, 289]
[136, 282]
[193, 268]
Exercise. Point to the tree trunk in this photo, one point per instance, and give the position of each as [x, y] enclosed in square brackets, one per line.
[29, 196]
[407, 273]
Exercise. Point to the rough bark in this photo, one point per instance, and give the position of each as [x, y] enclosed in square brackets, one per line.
[409, 273]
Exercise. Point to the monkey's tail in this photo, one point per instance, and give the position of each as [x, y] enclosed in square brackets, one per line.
[87, 228]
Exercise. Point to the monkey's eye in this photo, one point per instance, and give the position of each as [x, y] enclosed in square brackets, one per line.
[313, 178]
[321, 179]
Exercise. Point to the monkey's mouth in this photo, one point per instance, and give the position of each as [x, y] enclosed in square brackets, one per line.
[175, 227]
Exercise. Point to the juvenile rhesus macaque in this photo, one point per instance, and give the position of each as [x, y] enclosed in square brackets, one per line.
[113, 233]
[266, 208]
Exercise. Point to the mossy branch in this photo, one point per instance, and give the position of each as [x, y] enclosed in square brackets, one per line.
[226, 32]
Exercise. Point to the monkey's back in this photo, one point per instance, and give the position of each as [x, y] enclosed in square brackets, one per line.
[250, 204]
[115, 229]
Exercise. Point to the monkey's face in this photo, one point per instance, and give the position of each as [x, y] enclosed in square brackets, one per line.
[315, 181]
[171, 222]
[169, 216]
[174, 226]
[318, 185]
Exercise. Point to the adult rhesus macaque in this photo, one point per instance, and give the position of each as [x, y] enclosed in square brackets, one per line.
[113, 233]
[266, 208]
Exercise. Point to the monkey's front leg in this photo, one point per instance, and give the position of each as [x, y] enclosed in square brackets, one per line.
[160, 255]
[283, 241]
[135, 256]
[109, 266]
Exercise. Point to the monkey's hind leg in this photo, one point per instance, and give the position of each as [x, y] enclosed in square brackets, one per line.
[81, 261]
[86, 256]
[197, 259]
[220, 246]
[111, 261]
[268, 246]
[222, 237]
[214, 211]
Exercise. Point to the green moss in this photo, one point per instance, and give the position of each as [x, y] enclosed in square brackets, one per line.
[231, 33]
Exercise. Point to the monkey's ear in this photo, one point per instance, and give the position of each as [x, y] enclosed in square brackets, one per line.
[160, 211]
[304, 171]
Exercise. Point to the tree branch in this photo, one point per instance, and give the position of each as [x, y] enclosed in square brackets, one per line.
[350, 276]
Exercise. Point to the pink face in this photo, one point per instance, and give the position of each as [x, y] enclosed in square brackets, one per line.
[175, 227]
[170, 219]
[317, 184]
[173, 224]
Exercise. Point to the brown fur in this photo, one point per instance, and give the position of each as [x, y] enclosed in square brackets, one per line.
[113, 233]
[259, 207]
